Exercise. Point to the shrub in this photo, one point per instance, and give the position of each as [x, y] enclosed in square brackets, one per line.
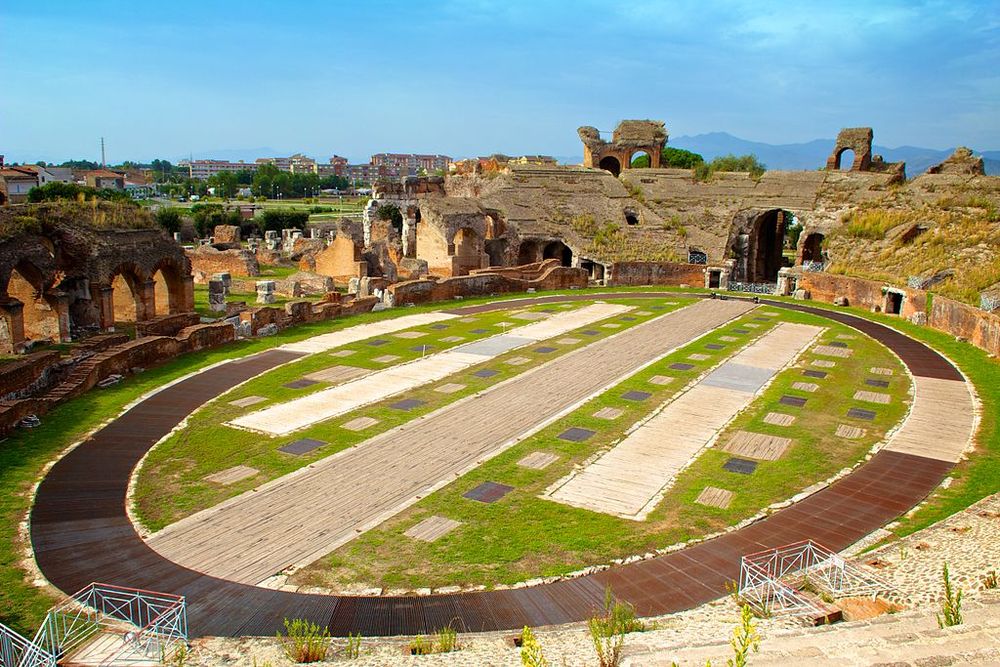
[951, 606]
[391, 213]
[608, 630]
[352, 649]
[275, 220]
[742, 163]
[169, 218]
[56, 191]
[745, 639]
[304, 642]
[531, 650]
[444, 640]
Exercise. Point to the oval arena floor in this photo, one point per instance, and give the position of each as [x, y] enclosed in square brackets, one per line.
[81, 532]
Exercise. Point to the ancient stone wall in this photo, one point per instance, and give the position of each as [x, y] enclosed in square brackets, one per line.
[980, 328]
[654, 273]
[301, 312]
[166, 325]
[482, 284]
[20, 373]
[861, 293]
[206, 261]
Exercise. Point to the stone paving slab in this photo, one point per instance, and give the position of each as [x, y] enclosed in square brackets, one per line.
[661, 380]
[248, 401]
[359, 423]
[779, 419]
[410, 334]
[232, 475]
[538, 460]
[337, 373]
[449, 388]
[697, 356]
[739, 377]
[386, 358]
[342, 353]
[714, 497]
[823, 363]
[880, 371]
[301, 446]
[757, 445]
[873, 397]
[495, 346]
[529, 316]
[728, 339]
[569, 340]
[518, 361]
[452, 339]
[609, 413]
[805, 386]
[432, 529]
[301, 383]
[830, 351]
[939, 406]
[849, 432]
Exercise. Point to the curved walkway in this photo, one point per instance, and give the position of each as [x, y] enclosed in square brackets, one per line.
[81, 533]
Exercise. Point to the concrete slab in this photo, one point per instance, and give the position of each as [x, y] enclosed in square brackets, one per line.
[762, 446]
[830, 351]
[698, 357]
[449, 388]
[805, 386]
[452, 339]
[568, 341]
[609, 413]
[361, 332]
[529, 316]
[248, 401]
[538, 460]
[739, 377]
[518, 361]
[387, 358]
[823, 363]
[872, 397]
[779, 419]
[661, 380]
[432, 529]
[337, 373]
[880, 371]
[849, 432]
[495, 345]
[232, 475]
[359, 423]
[342, 353]
[410, 334]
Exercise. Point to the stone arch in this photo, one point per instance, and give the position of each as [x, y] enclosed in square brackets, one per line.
[857, 140]
[645, 160]
[844, 160]
[611, 163]
[528, 252]
[467, 249]
[168, 289]
[758, 246]
[128, 296]
[40, 314]
[496, 249]
[812, 247]
[558, 250]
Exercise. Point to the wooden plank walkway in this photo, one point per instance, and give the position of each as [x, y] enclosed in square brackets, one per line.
[304, 515]
[300, 413]
[80, 532]
[941, 422]
[629, 479]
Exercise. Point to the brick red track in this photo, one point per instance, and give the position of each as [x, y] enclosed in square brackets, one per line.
[80, 531]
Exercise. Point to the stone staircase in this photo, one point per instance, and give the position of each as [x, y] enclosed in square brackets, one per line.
[910, 638]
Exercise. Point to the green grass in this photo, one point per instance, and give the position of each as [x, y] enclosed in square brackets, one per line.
[523, 536]
[171, 484]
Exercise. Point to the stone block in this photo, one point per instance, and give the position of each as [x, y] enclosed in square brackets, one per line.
[265, 291]
[217, 296]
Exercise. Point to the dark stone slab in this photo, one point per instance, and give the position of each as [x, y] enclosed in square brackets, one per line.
[439, 327]
[797, 401]
[714, 346]
[877, 383]
[422, 348]
[681, 366]
[837, 343]
[576, 434]
[590, 332]
[377, 342]
[740, 331]
[486, 373]
[545, 350]
[300, 447]
[657, 307]
[814, 374]
[636, 395]
[628, 318]
[488, 492]
[861, 413]
[741, 466]
[407, 404]
[763, 319]
[300, 384]
[480, 331]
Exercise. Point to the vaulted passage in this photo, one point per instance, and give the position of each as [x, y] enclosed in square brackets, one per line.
[611, 164]
[758, 250]
[812, 248]
[558, 250]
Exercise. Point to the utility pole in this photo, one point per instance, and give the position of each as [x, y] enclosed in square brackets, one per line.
[103, 161]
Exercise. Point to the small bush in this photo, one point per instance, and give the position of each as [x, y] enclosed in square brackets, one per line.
[608, 630]
[731, 163]
[531, 650]
[304, 641]
[990, 580]
[745, 639]
[352, 650]
[444, 640]
[169, 218]
[951, 606]
[275, 220]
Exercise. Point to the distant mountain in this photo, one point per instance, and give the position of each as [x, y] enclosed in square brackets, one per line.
[812, 155]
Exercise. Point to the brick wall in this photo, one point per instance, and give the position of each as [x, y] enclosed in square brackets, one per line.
[483, 284]
[655, 273]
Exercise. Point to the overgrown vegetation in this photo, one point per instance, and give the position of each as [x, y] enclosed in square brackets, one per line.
[671, 157]
[609, 240]
[57, 217]
[208, 216]
[730, 163]
[951, 605]
[274, 220]
[444, 640]
[304, 642]
[59, 191]
[531, 650]
[745, 639]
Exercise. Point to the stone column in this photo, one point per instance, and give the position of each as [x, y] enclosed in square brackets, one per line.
[147, 301]
[13, 320]
[59, 301]
[186, 304]
[217, 296]
[265, 291]
[103, 295]
[784, 287]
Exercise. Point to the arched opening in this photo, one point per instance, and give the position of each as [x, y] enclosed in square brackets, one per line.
[163, 301]
[558, 250]
[611, 163]
[125, 298]
[495, 227]
[3, 199]
[812, 248]
[631, 217]
[468, 250]
[497, 251]
[759, 251]
[893, 302]
[640, 160]
[594, 269]
[40, 313]
[527, 253]
[845, 159]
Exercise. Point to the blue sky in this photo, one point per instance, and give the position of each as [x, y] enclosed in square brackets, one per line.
[164, 79]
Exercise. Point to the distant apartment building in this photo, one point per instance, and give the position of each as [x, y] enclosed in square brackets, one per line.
[336, 167]
[204, 169]
[15, 182]
[397, 165]
[296, 164]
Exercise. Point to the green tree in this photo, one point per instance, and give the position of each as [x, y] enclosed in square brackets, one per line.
[276, 219]
[734, 163]
[169, 218]
[57, 190]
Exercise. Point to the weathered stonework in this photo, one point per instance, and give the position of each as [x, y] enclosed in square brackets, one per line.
[207, 261]
[962, 162]
[628, 139]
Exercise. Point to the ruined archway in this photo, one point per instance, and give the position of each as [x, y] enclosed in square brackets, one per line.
[812, 247]
[611, 163]
[527, 253]
[468, 251]
[640, 160]
[758, 246]
[844, 160]
[595, 270]
[558, 250]
[496, 249]
[40, 312]
[126, 298]
[168, 289]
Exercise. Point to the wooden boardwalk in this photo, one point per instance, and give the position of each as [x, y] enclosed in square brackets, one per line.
[300, 413]
[629, 479]
[81, 533]
[304, 515]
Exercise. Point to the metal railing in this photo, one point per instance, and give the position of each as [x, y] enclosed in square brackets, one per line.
[989, 303]
[772, 581]
[813, 266]
[151, 625]
[752, 288]
[16, 651]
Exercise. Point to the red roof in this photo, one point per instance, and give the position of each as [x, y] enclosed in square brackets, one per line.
[104, 173]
